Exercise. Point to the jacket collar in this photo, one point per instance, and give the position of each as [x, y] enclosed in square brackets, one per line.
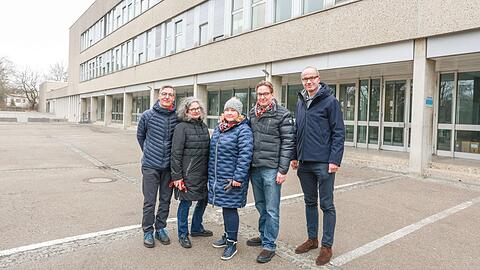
[323, 92]
[160, 109]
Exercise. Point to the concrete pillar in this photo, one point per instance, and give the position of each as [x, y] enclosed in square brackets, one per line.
[200, 91]
[93, 109]
[422, 109]
[277, 87]
[108, 110]
[153, 96]
[127, 109]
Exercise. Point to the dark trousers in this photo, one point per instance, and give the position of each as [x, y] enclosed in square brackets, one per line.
[231, 222]
[318, 183]
[155, 182]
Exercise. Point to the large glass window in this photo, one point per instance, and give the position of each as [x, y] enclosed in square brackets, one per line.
[467, 141]
[445, 99]
[375, 100]
[283, 10]
[468, 98]
[224, 96]
[140, 104]
[253, 97]
[101, 108]
[117, 109]
[213, 103]
[363, 101]
[444, 137]
[258, 13]
[179, 44]
[373, 135]
[292, 97]
[242, 94]
[203, 32]
[312, 5]
[395, 101]
[361, 134]
[347, 100]
[349, 129]
[237, 16]
[393, 136]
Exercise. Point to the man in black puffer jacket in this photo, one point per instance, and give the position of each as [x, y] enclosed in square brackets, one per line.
[154, 134]
[273, 133]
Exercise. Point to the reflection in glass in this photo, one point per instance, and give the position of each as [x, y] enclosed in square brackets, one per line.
[373, 135]
[213, 103]
[212, 123]
[333, 87]
[395, 101]
[312, 5]
[393, 136]
[224, 96]
[444, 137]
[361, 134]
[292, 97]
[242, 94]
[375, 100]
[101, 108]
[468, 98]
[347, 100]
[445, 99]
[283, 10]
[363, 101]
[258, 14]
[467, 142]
[349, 133]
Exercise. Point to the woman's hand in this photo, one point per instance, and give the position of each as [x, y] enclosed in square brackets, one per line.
[236, 184]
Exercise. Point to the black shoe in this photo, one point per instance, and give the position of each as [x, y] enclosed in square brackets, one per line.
[265, 256]
[205, 233]
[254, 242]
[185, 242]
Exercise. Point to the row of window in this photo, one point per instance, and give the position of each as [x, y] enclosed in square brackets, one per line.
[122, 13]
[194, 28]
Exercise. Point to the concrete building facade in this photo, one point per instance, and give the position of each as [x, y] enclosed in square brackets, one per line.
[406, 72]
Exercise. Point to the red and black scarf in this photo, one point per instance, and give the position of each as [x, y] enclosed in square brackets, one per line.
[260, 110]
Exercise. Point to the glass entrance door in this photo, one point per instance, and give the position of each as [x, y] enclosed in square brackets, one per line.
[395, 95]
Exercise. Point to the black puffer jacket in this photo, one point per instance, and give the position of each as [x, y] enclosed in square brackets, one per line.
[274, 138]
[190, 147]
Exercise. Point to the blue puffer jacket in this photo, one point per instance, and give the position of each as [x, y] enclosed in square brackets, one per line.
[154, 134]
[230, 157]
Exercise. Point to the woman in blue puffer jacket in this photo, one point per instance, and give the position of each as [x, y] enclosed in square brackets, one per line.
[231, 150]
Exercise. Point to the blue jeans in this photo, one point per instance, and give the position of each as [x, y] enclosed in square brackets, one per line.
[197, 219]
[267, 193]
[318, 183]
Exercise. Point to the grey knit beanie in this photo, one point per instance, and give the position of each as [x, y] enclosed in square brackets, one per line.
[235, 104]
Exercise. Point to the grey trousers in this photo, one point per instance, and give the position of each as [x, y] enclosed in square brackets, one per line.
[155, 182]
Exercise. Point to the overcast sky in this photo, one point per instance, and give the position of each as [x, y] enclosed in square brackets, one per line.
[34, 33]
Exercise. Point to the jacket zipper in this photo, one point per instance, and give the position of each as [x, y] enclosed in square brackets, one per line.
[216, 157]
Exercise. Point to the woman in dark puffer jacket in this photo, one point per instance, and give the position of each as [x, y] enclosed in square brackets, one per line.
[189, 162]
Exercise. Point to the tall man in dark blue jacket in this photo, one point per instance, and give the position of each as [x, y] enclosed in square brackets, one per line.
[154, 134]
[320, 136]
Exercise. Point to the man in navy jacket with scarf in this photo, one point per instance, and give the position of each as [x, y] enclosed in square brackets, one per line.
[320, 135]
[154, 135]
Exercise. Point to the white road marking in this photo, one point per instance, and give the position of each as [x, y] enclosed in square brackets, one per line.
[372, 246]
[72, 239]
[31, 247]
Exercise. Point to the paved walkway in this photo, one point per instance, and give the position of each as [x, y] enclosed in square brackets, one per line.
[55, 216]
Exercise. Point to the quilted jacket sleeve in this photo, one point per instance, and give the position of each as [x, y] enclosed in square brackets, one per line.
[178, 144]
[287, 137]
[245, 153]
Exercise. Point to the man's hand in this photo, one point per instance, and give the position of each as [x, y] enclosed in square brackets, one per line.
[332, 168]
[281, 178]
[294, 164]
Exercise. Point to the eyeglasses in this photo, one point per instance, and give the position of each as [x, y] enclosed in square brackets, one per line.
[198, 109]
[163, 94]
[306, 79]
[266, 94]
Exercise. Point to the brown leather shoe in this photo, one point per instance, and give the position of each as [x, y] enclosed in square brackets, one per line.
[307, 245]
[324, 256]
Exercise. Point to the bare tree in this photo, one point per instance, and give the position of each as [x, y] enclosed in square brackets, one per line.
[57, 72]
[6, 70]
[27, 82]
